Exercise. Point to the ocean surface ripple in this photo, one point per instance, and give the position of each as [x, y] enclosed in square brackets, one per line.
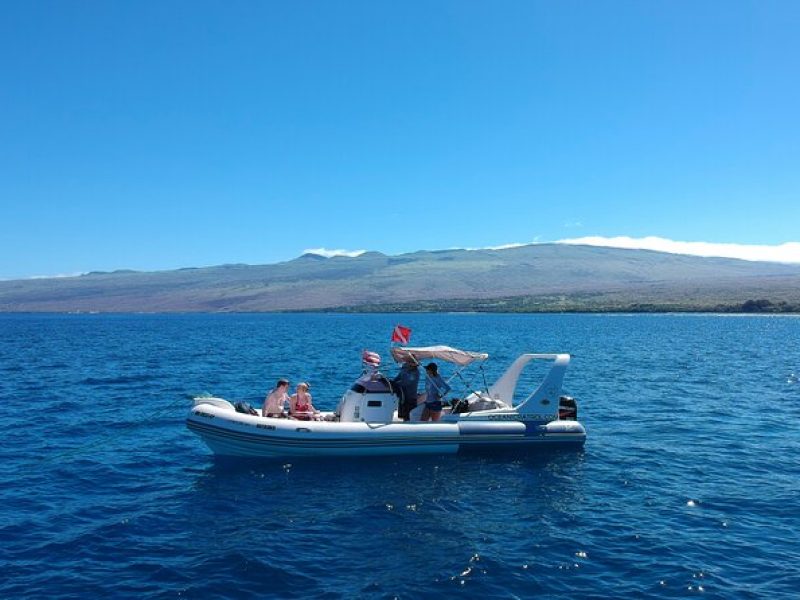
[689, 484]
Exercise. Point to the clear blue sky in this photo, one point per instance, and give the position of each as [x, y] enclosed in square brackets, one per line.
[154, 135]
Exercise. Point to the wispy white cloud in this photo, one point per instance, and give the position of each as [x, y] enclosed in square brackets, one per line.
[59, 276]
[502, 246]
[573, 225]
[784, 253]
[329, 253]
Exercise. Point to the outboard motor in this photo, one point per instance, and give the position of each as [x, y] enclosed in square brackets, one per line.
[567, 409]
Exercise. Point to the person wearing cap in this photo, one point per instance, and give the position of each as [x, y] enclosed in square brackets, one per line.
[435, 388]
[276, 400]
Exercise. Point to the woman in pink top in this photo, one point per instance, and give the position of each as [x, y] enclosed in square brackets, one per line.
[300, 404]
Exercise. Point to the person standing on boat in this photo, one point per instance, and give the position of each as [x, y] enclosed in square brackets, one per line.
[276, 400]
[300, 406]
[405, 386]
[435, 388]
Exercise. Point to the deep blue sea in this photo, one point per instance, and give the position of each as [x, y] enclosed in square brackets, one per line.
[689, 483]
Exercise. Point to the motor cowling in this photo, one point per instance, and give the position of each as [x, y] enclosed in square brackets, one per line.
[567, 408]
[369, 400]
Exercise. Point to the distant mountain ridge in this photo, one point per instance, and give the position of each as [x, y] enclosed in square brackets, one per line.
[534, 277]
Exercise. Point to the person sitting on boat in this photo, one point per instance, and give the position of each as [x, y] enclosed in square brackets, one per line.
[435, 388]
[300, 406]
[276, 400]
[405, 386]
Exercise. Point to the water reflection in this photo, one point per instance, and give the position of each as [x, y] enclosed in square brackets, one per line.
[471, 495]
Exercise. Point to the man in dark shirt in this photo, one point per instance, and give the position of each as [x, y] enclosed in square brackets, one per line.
[405, 386]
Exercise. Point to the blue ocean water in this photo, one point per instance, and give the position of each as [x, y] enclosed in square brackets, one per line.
[689, 483]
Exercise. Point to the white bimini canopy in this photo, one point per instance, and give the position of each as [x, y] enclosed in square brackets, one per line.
[445, 353]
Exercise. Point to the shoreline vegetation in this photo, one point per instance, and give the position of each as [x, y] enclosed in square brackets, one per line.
[498, 306]
[572, 305]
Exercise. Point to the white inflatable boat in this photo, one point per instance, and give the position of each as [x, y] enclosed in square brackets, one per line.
[366, 422]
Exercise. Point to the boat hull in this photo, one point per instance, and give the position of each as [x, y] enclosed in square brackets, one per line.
[228, 433]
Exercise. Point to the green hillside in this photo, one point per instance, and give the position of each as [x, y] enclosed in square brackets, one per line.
[546, 277]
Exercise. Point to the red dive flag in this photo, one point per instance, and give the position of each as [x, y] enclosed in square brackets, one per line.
[401, 334]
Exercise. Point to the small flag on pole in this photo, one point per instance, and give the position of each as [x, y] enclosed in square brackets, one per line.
[401, 334]
[373, 359]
